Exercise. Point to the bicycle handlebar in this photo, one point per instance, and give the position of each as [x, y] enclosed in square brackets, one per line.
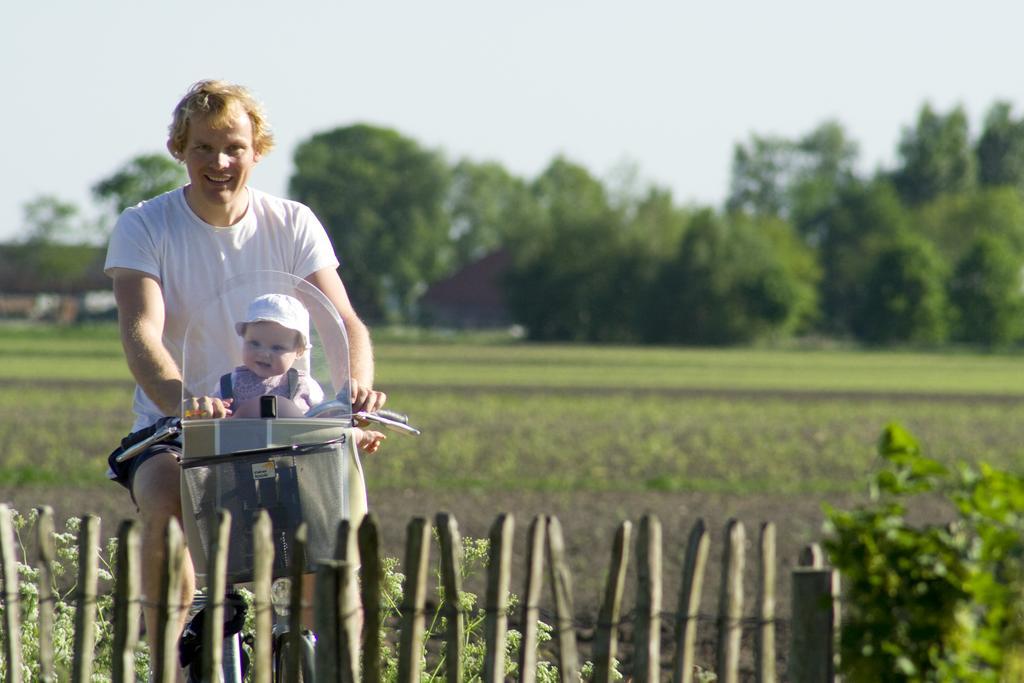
[166, 433]
[385, 418]
[392, 415]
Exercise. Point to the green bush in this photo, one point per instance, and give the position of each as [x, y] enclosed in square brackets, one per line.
[933, 602]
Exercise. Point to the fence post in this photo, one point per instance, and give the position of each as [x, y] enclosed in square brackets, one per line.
[262, 578]
[764, 648]
[535, 539]
[216, 587]
[648, 601]
[451, 582]
[369, 556]
[165, 659]
[561, 587]
[815, 625]
[126, 602]
[730, 603]
[345, 547]
[47, 556]
[337, 649]
[351, 614]
[293, 640]
[607, 638]
[12, 606]
[417, 550]
[499, 563]
[689, 602]
[811, 556]
[85, 610]
[328, 652]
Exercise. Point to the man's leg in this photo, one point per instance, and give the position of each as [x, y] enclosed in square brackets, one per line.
[156, 488]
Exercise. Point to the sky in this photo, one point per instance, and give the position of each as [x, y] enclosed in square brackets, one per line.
[665, 88]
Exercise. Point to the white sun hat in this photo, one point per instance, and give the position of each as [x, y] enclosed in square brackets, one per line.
[282, 309]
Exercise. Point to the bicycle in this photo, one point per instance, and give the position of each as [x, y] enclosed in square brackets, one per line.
[300, 466]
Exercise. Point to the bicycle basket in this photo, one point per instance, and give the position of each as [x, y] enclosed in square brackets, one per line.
[299, 470]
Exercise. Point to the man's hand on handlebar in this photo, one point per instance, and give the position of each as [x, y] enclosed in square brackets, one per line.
[205, 407]
[366, 399]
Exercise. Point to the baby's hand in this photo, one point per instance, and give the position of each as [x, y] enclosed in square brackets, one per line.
[367, 439]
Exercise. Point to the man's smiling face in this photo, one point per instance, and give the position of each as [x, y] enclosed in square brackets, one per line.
[219, 156]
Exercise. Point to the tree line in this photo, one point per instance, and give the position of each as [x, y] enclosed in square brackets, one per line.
[927, 252]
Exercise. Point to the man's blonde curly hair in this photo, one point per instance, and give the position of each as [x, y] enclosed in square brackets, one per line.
[221, 101]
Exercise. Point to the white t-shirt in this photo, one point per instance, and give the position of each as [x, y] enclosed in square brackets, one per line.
[164, 238]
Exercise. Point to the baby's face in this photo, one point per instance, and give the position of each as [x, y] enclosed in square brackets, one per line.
[269, 349]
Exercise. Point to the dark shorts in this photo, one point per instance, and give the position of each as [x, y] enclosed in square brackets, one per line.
[124, 472]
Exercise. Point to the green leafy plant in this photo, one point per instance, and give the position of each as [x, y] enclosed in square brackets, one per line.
[475, 554]
[933, 602]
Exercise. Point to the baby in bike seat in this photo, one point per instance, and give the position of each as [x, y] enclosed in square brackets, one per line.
[275, 333]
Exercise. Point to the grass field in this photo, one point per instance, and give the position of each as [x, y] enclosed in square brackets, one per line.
[519, 417]
[591, 435]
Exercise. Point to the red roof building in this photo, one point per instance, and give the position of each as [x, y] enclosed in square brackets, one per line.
[470, 298]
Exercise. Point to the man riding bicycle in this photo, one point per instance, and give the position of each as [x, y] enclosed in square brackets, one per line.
[171, 253]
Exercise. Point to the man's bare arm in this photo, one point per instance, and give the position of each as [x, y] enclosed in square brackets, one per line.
[140, 314]
[360, 349]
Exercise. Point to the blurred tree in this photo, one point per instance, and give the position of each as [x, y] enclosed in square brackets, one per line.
[986, 294]
[829, 157]
[652, 227]
[794, 179]
[55, 245]
[730, 283]
[762, 172]
[568, 274]
[141, 178]
[801, 263]
[955, 221]
[484, 202]
[1000, 149]
[49, 219]
[935, 157]
[865, 219]
[905, 301]
[652, 222]
[381, 197]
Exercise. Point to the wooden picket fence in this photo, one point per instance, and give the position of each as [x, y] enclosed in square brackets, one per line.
[348, 611]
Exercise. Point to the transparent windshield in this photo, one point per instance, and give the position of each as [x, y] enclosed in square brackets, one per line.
[302, 466]
[219, 331]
